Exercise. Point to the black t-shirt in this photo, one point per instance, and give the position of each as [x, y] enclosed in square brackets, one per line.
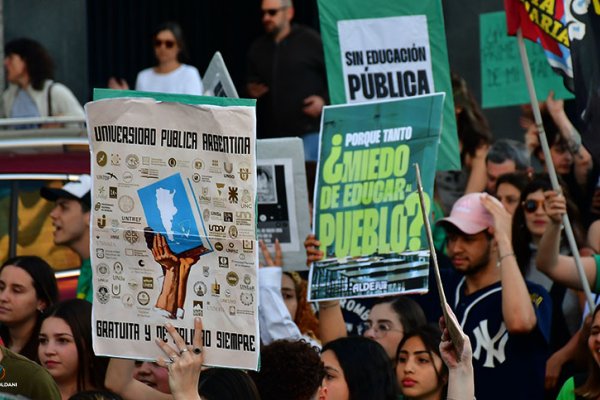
[292, 69]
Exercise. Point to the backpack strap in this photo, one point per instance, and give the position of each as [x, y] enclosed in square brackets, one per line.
[49, 98]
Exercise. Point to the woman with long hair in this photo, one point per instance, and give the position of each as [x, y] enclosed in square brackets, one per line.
[31, 91]
[170, 74]
[530, 221]
[65, 348]
[357, 368]
[429, 366]
[27, 288]
[586, 386]
[420, 370]
[293, 291]
[508, 190]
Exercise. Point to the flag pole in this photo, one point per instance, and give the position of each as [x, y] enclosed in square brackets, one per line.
[454, 330]
[550, 166]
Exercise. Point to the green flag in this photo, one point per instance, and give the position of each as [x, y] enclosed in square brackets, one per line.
[367, 209]
[386, 50]
[502, 78]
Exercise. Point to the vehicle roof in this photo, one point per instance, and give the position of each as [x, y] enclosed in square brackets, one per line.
[55, 163]
[43, 151]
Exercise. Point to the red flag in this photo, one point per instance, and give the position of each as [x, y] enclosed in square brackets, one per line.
[546, 23]
[569, 31]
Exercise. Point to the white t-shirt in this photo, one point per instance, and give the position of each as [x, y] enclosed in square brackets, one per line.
[183, 80]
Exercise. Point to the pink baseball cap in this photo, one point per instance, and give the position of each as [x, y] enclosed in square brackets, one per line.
[469, 215]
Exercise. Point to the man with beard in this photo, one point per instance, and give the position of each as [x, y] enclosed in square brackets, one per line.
[506, 156]
[286, 73]
[507, 319]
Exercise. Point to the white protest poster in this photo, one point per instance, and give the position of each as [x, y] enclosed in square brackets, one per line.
[169, 179]
[283, 199]
[216, 80]
[385, 57]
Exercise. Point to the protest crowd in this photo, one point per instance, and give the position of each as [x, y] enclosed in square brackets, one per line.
[516, 322]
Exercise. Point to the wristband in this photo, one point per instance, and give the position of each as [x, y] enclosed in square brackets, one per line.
[504, 256]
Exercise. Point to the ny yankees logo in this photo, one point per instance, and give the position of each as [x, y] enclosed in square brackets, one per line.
[494, 347]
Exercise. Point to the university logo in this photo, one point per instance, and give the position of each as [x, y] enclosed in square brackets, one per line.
[132, 161]
[102, 295]
[118, 268]
[223, 262]
[492, 346]
[198, 308]
[200, 288]
[126, 203]
[244, 173]
[233, 194]
[220, 186]
[127, 177]
[131, 236]
[215, 288]
[101, 158]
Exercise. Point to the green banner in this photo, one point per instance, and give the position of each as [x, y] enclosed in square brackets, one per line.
[175, 98]
[502, 79]
[367, 209]
[386, 50]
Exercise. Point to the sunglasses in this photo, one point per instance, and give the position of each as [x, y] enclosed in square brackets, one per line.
[271, 11]
[531, 206]
[168, 43]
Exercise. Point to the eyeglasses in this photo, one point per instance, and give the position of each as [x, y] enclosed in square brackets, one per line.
[272, 11]
[379, 329]
[531, 206]
[168, 43]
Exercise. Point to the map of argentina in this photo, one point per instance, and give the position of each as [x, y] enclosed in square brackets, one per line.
[169, 212]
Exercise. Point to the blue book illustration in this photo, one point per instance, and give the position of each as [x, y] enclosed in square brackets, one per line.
[169, 212]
